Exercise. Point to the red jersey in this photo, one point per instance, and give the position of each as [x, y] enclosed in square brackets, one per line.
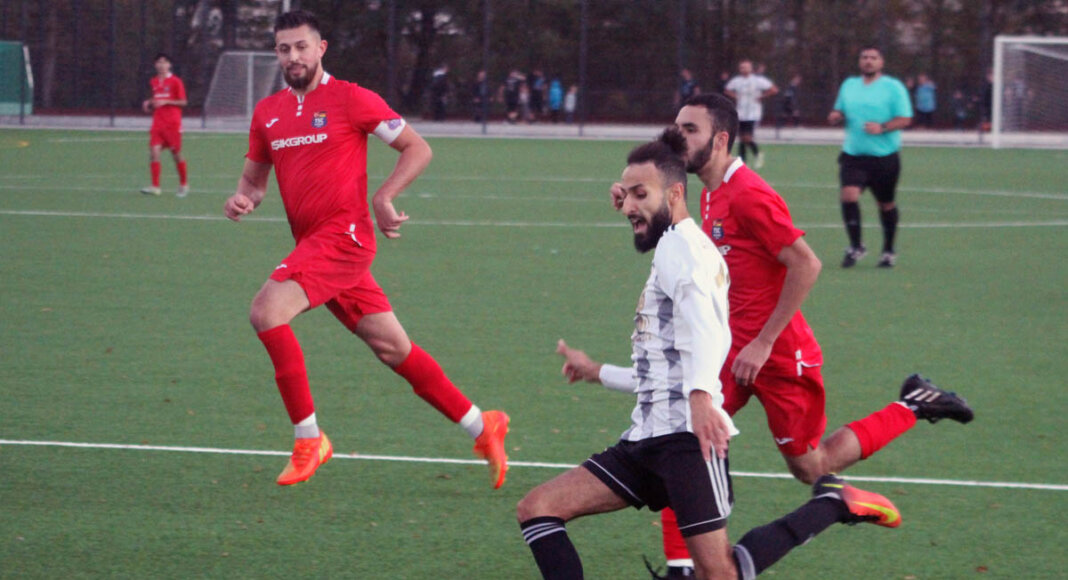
[750, 224]
[171, 88]
[318, 146]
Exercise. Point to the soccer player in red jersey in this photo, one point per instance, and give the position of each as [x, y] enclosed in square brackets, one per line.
[315, 133]
[168, 98]
[774, 355]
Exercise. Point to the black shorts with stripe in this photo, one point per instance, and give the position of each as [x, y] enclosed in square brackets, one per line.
[669, 471]
[878, 173]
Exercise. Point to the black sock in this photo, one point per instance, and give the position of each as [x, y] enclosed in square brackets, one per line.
[851, 217]
[553, 550]
[889, 219]
[761, 547]
[753, 146]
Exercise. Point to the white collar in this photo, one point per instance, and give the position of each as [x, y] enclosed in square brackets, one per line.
[733, 167]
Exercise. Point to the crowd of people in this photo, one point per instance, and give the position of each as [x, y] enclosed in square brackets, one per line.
[527, 97]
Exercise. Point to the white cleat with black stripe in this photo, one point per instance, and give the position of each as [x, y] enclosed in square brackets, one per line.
[932, 403]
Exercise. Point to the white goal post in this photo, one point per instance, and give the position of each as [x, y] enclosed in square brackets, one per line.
[1030, 92]
[241, 79]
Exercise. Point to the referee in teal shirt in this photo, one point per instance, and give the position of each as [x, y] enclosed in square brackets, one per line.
[875, 108]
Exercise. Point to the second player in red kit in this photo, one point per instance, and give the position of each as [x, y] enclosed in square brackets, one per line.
[314, 133]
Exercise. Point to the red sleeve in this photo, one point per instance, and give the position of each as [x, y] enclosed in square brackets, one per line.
[258, 148]
[179, 89]
[765, 215]
[366, 109]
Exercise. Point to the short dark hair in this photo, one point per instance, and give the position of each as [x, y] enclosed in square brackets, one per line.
[723, 112]
[160, 55]
[870, 46]
[667, 153]
[296, 19]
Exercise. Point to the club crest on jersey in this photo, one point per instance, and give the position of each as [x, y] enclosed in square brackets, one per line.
[319, 120]
[717, 229]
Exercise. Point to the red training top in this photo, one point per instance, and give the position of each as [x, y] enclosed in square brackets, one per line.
[172, 88]
[750, 224]
[318, 146]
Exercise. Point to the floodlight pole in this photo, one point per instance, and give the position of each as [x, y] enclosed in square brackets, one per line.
[583, 50]
[484, 98]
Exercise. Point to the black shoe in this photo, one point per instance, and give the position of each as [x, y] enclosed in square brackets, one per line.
[932, 403]
[672, 571]
[861, 506]
[888, 260]
[853, 255]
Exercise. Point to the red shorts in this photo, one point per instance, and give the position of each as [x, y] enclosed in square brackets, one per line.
[334, 271]
[794, 405]
[167, 137]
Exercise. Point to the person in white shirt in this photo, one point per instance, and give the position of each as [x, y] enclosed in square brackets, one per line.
[748, 90]
[675, 451]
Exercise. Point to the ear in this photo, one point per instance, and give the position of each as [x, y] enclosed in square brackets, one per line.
[322, 48]
[677, 194]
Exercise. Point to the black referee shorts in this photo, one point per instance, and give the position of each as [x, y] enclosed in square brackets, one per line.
[746, 128]
[669, 471]
[878, 173]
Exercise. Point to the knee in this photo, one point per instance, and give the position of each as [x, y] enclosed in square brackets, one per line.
[528, 507]
[887, 206]
[262, 316]
[390, 351]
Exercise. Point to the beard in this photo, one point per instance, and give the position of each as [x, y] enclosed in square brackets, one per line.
[700, 158]
[655, 228]
[301, 82]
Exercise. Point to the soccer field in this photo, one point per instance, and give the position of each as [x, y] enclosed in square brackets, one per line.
[141, 430]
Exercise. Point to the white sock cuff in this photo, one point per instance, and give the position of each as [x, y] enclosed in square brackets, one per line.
[472, 421]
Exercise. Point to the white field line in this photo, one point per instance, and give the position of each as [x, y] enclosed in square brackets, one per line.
[509, 224]
[532, 464]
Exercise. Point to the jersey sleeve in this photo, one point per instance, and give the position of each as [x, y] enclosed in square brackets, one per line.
[179, 89]
[839, 101]
[766, 217]
[902, 104]
[368, 112]
[258, 148]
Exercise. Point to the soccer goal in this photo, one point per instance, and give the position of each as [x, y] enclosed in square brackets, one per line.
[240, 80]
[1030, 92]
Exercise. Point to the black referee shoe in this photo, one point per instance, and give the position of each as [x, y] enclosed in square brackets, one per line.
[932, 403]
[853, 255]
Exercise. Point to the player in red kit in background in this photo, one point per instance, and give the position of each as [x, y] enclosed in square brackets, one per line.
[168, 98]
[315, 133]
[774, 355]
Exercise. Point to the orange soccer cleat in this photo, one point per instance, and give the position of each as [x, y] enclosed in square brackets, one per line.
[308, 455]
[490, 445]
[864, 506]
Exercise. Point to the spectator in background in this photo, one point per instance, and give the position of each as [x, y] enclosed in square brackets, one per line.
[925, 101]
[791, 103]
[570, 104]
[510, 95]
[721, 84]
[480, 97]
[986, 103]
[960, 107]
[439, 92]
[688, 87]
[524, 102]
[536, 80]
[556, 99]
[748, 90]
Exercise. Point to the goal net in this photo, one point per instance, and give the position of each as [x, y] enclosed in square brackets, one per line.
[1030, 92]
[240, 80]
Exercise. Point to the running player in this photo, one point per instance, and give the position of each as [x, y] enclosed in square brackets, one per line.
[675, 452]
[748, 89]
[168, 98]
[774, 355]
[314, 133]
[875, 108]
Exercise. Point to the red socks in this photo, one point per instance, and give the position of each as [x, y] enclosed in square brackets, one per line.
[674, 544]
[153, 167]
[289, 371]
[430, 383]
[181, 173]
[881, 427]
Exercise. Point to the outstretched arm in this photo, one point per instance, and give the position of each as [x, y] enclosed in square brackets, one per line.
[415, 155]
[578, 366]
[251, 189]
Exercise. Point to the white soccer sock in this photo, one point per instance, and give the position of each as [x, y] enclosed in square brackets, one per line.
[306, 429]
[472, 422]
